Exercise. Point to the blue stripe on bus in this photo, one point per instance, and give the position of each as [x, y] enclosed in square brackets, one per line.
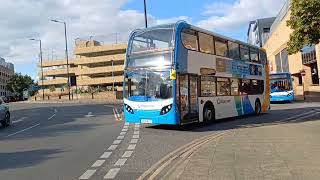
[247, 107]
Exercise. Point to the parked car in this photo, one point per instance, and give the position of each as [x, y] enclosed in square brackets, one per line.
[4, 114]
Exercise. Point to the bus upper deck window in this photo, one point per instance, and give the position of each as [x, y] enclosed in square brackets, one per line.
[189, 39]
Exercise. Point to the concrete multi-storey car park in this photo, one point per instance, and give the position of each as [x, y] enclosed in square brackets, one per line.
[94, 65]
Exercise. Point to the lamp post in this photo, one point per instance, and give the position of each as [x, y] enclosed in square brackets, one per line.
[39, 40]
[145, 14]
[66, 44]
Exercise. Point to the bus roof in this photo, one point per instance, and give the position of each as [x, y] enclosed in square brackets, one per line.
[185, 24]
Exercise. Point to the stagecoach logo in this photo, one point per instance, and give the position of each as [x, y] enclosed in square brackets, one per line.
[222, 101]
[145, 106]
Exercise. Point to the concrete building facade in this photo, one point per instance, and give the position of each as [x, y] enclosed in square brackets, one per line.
[94, 66]
[259, 31]
[307, 60]
[6, 72]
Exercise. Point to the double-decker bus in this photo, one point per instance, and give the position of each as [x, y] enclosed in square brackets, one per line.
[281, 87]
[178, 73]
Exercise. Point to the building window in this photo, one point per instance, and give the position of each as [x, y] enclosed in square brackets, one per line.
[233, 50]
[282, 64]
[223, 87]
[221, 47]
[206, 43]
[244, 52]
[189, 39]
[208, 86]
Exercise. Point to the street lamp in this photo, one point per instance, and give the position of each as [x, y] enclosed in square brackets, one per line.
[40, 65]
[66, 43]
[145, 14]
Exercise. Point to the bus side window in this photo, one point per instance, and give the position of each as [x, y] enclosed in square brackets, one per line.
[221, 47]
[244, 86]
[244, 52]
[254, 56]
[263, 57]
[206, 43]
[189, 39]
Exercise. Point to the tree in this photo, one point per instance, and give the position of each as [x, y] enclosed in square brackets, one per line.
[52, 88]
[18, 83]
[305, 22]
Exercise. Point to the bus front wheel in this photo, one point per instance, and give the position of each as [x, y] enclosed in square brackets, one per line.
[208, 113]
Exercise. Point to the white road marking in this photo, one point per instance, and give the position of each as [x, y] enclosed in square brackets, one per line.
[115, 115]
[23, 130]
[98, 163]
[124, 130]
[136, 136]
[125, 127]
[137, 125]
[112, 173]
[123, 133]
[120, 162]
[131, 146]
[126, 123]
[120, 137]
[55, 110]
[89, 114]
[52, 116]
[136, 129]
[117, 141]
[19, 120]
[127, 154]
[301, 118]
[134, 141]
[296, 116]
[87, 174]
[106, 155]
[113, 147]
[136, 132]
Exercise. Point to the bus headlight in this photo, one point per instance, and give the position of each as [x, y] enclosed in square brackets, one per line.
[166, 109]
[128, 108]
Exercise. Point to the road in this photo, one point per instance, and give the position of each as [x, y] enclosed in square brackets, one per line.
[84, 141]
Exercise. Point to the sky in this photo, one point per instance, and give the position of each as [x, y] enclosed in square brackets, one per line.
[21, 20]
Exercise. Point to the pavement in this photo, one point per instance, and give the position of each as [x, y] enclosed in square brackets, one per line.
[62, 141]
[286, 149]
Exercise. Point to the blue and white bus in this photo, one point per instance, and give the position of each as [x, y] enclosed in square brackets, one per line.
[281, 87]
[178, 73]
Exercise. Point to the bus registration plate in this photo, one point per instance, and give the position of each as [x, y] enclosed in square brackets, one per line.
[146, 121]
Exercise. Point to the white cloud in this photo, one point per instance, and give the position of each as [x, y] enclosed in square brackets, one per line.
[231, 17]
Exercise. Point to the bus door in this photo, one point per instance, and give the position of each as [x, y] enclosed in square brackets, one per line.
[188, 95]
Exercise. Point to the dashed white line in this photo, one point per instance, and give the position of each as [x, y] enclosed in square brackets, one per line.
[98, 163]
[118, 141]
[87, 174]
[126, 123]
[124, 130]
[131, 146]
[106, 155]
[134, 141]
[136, 132]
[123, 133]
[23, 130]
[120, 162]
[55, 110]
[125, 127]
[137, 125]
[112, 173]
[120, 137]
[136, 136]
[19, 120]
[127, 154]
[136, 129]
[113, 147]
[52, 116]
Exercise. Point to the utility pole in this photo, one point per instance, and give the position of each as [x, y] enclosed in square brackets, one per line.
[145, 14]
[39, 40]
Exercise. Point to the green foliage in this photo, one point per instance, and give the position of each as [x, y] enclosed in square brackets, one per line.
[305, 22]
[18, 82]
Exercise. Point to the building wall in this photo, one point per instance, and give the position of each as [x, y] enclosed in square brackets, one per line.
[276, 43]
[6, 72]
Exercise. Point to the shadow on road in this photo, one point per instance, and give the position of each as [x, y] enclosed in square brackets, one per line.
[273, 117]
[14, 160]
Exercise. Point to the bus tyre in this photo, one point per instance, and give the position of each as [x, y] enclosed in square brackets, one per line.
[208, 113]
[6, 121]
[257, 107]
